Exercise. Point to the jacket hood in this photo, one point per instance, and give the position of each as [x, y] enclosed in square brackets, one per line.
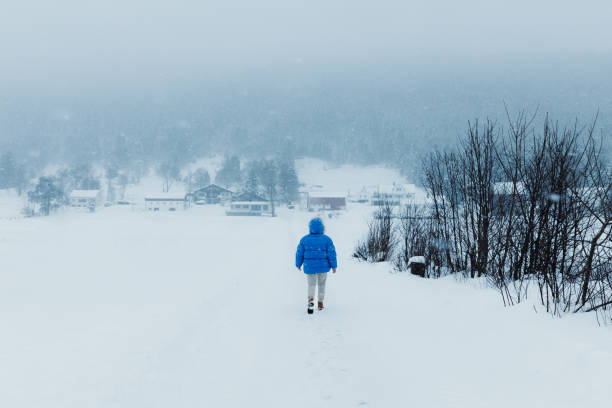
[316, 226]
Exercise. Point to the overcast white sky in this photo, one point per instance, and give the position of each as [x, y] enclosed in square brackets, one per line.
[48, 38]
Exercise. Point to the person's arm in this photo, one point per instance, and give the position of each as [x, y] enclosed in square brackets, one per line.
[299, 256]
[331, 255]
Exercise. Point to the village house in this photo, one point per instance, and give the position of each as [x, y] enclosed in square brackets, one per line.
[249, 208]
[89, 199]
[393, 194]
[211, 194]
[362, 196]
[320, 200]
[165, 202]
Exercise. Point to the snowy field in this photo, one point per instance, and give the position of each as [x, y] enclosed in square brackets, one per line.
[124, 308]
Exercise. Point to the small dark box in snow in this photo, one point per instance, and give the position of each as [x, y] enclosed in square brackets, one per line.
[417, 265]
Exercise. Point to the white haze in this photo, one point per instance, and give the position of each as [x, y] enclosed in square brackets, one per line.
[74, 40]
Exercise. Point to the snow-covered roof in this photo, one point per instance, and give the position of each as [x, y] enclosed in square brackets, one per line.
[213, 188]
[84, 193]
[248, 196]
[325, 194]
[416, 259]
[250, 202]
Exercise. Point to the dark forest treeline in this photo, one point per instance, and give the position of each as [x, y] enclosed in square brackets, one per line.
[521, 206]
[375, 115]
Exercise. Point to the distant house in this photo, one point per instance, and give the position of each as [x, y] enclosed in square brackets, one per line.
[248, 196]
[362, 196]
[320, 200]
[393, 194]
[89, 199]
[250, 208]
[211, 194]
[165, 202]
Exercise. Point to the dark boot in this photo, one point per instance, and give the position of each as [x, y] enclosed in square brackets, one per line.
[310, 306]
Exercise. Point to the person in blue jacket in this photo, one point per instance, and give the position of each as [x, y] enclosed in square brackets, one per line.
[317, 254]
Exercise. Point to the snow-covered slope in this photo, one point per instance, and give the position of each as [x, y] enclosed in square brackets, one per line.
[124, 308]
[314, 172]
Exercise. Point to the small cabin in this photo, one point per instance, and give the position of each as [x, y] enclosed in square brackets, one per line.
[319, 201]
[165, 202]
[211, 194]
[89, 199]
[250, 208]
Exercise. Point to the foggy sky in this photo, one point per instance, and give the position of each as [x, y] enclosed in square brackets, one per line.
[86, 40]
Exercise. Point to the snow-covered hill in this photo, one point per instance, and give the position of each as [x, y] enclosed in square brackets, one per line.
[124, 308]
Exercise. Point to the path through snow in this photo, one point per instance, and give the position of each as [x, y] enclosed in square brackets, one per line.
[129, 309]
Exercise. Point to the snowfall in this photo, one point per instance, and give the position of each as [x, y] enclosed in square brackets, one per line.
[128, 308]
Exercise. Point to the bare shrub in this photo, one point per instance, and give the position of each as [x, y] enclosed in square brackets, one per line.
[379, 242]
[413, 235]
[523, 206]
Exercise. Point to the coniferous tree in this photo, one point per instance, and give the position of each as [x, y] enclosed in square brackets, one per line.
[230, 172]
[47, 195]
[252, 183]
[288, 181]
[201, 178]
[268, 176]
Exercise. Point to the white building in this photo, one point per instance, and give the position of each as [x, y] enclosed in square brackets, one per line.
[362, 196]
[250, 208]
[165, 202]
[393, 194]
[89, 199]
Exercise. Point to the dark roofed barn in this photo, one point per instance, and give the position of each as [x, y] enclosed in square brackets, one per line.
[211, 194]
[248, 196]
[318, 201]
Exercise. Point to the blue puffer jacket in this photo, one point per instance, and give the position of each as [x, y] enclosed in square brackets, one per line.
[316, 250]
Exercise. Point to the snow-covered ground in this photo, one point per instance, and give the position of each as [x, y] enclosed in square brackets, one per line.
[345, 178]
[124, 308]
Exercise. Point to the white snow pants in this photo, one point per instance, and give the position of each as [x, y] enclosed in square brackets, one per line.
[314, 280]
